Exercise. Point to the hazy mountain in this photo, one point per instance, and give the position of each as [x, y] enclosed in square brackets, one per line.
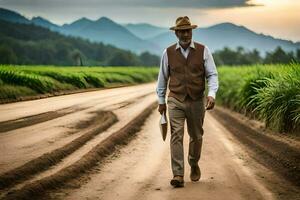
[77, 26]
[12, 16]
[39, 21]
[230, 35]
[22, 43]
[146, 37]
[101, 30]
[107, 31]
[15, 17]
[145, 31]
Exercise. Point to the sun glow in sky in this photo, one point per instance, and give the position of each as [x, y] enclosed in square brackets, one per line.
[279, 18]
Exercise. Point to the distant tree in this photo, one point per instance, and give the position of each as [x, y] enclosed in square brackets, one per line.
[122, 58]
[240, 50]
[250, 57]
[7, 56]
[255, 56]
[228, 56]
[298, 55]
[278, 56]
[240, 56]
[77, 57]
[148, 59]
[218, 60]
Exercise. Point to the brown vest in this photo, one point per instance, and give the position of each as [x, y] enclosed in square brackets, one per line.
[187, 76]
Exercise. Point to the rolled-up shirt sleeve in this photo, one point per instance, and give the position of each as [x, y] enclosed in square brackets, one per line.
[163, 77]
[211, 73]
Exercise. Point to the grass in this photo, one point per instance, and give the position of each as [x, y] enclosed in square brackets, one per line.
[270, 93]
[19, 81]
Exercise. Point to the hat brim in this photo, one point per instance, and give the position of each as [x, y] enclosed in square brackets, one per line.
[174, 28]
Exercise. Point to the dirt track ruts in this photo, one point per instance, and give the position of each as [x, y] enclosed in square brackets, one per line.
[142, 170]
[110, 100]
[274, 154]
[37, 188]
[48, 159]
[21, 145]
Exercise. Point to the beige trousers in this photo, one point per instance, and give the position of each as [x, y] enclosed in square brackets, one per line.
[193, 112]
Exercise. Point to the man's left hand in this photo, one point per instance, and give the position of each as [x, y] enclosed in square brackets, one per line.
[210, 103]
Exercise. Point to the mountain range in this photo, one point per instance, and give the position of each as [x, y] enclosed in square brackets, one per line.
[143, 37]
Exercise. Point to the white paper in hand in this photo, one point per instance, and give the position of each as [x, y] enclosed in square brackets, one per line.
[163, 124]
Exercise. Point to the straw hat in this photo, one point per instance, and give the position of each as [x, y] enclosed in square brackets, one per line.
[183, 23]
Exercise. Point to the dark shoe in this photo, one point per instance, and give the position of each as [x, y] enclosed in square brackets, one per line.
[195, 173]
[177, 181]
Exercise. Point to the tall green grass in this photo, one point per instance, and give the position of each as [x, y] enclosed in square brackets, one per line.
[267, 92]
[16, 81]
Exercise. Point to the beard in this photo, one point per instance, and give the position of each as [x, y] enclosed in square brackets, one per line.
[185, 42]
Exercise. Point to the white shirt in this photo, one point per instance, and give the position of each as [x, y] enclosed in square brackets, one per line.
[211, 73]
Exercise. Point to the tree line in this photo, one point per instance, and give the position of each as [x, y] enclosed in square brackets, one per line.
[240, 56]
[27, 44]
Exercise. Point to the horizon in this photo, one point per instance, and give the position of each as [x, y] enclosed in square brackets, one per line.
[256, 15]
[145, 23]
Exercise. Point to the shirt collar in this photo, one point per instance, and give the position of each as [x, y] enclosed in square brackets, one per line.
[192, 45]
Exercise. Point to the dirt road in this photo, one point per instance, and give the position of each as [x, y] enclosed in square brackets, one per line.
[141, 170]
[31, 131]
[62, 117]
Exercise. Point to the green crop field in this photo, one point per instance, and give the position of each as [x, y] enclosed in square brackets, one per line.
[19, 81]
[270, 93]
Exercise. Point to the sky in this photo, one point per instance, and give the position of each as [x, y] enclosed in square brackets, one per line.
[278, 18]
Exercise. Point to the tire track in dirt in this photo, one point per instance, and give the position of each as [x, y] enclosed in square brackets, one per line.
[142, 170]
[22, 145]
[42, 117]
[85, 163]
[61, 93]
[30, 171]
[19, 110]
[104, 118]
[35, 119]
[99, 123]
[273, 154]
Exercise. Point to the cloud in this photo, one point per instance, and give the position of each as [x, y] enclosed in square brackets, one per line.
[196, 3]
[159, 12]
[133, 3]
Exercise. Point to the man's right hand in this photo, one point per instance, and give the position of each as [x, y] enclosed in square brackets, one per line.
[162, 108]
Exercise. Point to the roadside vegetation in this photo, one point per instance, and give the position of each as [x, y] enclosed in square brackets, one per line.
[20, 81]
[270, 93]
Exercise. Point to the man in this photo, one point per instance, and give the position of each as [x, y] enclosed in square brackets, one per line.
[186, 65]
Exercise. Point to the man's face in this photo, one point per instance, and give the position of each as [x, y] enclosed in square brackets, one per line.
[184, 36]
